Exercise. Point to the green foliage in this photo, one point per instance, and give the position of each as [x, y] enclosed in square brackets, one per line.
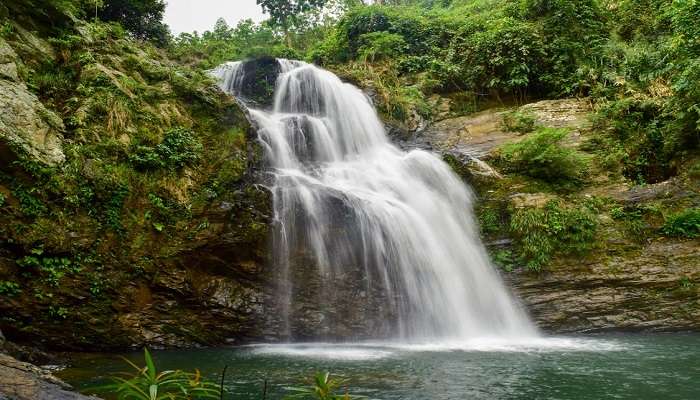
[542, 233]
[10, 289]
[321, 387]
[685, 283]
[632, 219]
[30, 205]
[5, 29]
[58, 312]
[541, 155]
[505, 259]
[179, 148]
[519, 121]
[2, 199]
[286, 13]
[489, 220]
[683, 224]
[648, 146]
[147, 383]
[51, 268]
[114, 205]
[380, 45]
[142, 18]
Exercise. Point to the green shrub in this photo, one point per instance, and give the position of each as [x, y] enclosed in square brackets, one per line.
[381, 45]
[541, 233]
[683, 224]
[178, 149]
[519, 121]
[541, 155]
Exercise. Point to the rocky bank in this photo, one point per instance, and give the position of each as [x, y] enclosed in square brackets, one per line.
[632, 279]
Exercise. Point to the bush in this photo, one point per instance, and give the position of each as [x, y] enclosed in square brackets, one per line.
[381, 45]
[541, 233]
[683, 224]
[541, 155]
[178, 149]
[519, 121]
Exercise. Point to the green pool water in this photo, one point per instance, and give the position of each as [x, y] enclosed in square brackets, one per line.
[659, 366]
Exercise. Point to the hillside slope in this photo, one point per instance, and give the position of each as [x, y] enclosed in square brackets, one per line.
[130, 213]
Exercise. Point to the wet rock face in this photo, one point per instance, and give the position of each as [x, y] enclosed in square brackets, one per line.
[259, 78]
[27, 128]
[649, 289]
[24, 381]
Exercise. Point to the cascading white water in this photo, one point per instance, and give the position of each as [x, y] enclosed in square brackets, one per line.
[353, 200]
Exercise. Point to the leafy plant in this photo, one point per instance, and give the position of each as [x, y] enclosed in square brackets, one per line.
[29, 204]
[553, 229]
[58, 312]
[6, 29]
[489, 220]
[504, 259]
[321, 387]
[147, 383]
[519, 121]
[51, 268]
[541, 155]
[10, 289]
[178, 149]
[683, 224]
[631, 219]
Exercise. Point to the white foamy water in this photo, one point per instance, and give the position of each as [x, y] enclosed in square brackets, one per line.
[368, 351]
[349, 197]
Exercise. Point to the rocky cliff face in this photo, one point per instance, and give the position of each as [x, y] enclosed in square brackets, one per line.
[130, 207]
[633, 277]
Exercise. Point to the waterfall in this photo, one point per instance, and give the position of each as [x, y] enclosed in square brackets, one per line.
[353, 203]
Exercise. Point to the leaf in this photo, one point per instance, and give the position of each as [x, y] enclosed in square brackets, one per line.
[149, 364]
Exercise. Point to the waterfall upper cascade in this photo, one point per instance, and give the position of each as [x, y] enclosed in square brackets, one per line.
[348, 199]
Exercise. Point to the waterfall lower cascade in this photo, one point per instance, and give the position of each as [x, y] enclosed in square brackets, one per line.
[356, 212]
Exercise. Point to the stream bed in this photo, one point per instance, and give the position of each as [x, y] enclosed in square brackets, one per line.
[620, 366]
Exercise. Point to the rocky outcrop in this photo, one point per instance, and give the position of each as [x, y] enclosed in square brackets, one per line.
[632, 279]
[24, 381]
[27, 128]
[648, 289]
[478, 134]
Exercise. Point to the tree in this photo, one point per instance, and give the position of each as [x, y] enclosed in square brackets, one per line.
[285, 13]
[142, 18]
